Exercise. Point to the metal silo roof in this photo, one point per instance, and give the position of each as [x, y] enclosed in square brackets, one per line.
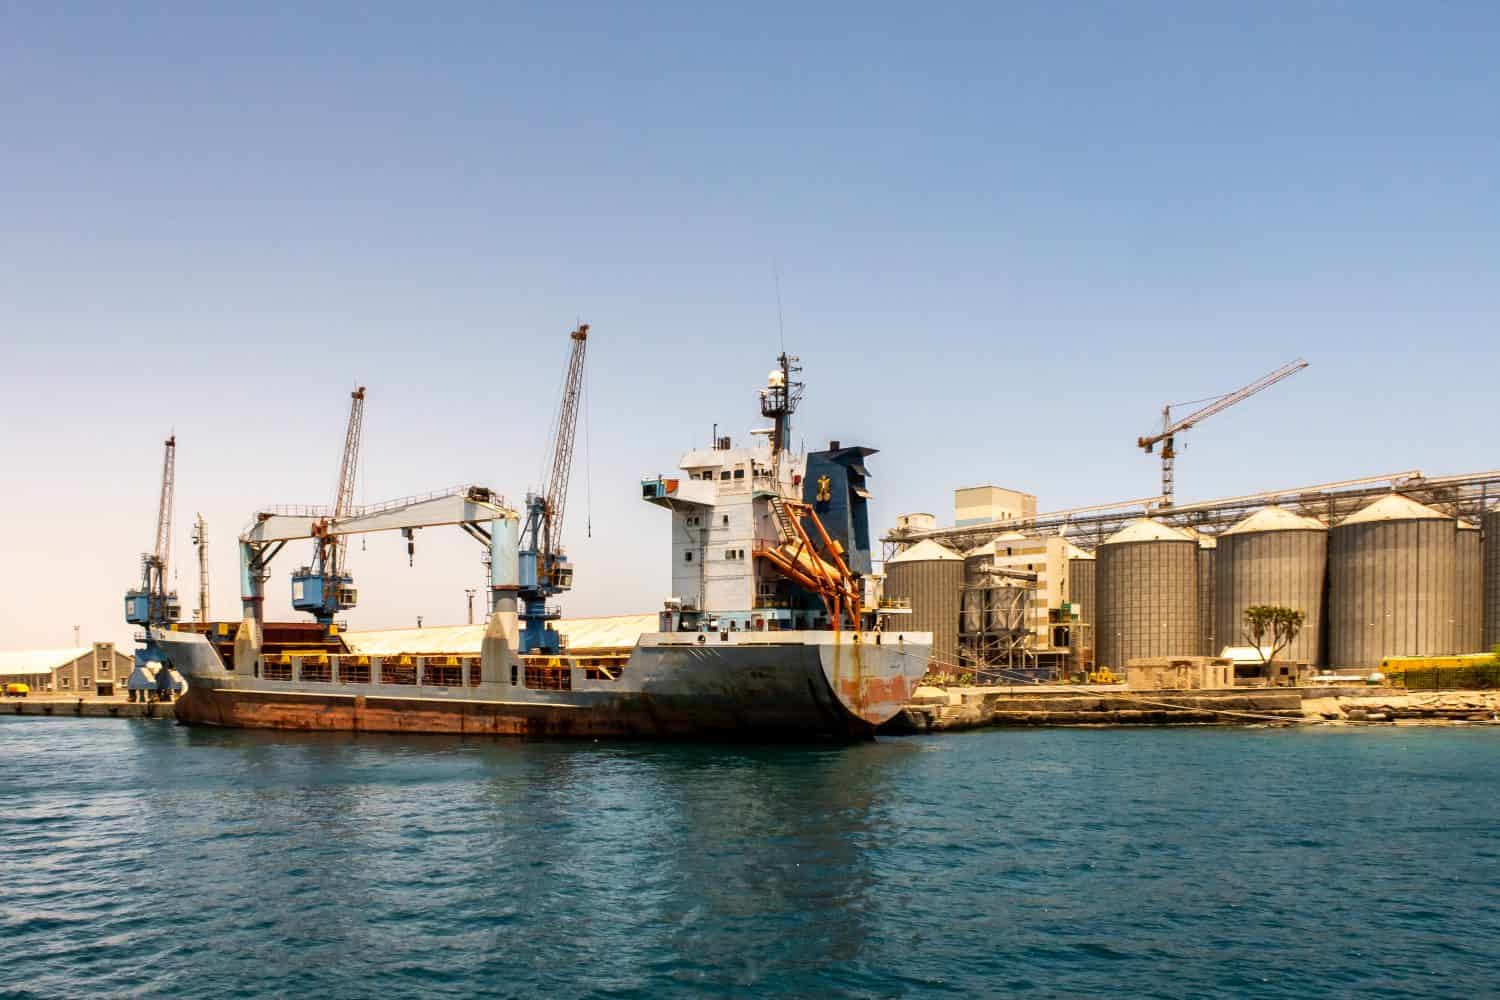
[1147, 530]
[926, 551]
[1395, 508]
[1276, 519]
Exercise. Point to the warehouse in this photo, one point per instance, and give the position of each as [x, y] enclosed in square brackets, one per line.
[97, 670]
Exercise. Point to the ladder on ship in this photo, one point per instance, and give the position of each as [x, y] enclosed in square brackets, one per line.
[784, 522]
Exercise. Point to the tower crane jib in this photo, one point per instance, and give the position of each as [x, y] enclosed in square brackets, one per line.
[1171, 428]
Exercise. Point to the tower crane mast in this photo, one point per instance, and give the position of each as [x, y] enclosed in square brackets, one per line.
[1171, 428]
[544, 569]
[324, 588]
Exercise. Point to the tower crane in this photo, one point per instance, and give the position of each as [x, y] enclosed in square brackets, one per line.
[1171, 428]
[200, 541]
[325, 588]
[544, 570]
[152, 603]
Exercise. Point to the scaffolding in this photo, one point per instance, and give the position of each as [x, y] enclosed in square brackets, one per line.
[996, 635]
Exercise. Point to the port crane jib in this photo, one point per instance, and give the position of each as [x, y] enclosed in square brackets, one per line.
[1171, 428]
[475, 509]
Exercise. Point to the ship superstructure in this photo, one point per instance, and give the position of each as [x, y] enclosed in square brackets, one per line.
[764, 538]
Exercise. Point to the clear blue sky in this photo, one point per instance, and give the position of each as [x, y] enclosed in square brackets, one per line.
[1006, 234]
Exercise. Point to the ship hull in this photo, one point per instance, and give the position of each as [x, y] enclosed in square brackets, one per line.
[674, 686]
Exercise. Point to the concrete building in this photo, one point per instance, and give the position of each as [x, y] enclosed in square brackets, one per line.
[1179, 673]
[86, 671]
[988, 504]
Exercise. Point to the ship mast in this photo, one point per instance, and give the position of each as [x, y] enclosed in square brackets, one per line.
[778, 401]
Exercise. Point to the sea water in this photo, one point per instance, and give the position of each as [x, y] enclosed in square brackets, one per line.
[143, 858]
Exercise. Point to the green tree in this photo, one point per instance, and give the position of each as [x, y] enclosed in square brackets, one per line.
[1271, 626]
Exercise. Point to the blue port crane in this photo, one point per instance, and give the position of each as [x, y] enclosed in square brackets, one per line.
[152, 605]
[543, 567]
[324, 588]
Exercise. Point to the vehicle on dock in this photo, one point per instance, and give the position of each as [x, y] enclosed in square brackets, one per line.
[17, 690]
[771, 632]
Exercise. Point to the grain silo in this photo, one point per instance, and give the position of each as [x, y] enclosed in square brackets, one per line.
[1278, 558]
[931, 577]
[1208, 552]
[1491, 545]
[1146, 589]
[1081, 590]
[1391, 576]
[1468, 591]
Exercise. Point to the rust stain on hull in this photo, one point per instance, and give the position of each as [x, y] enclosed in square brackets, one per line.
[862, 690]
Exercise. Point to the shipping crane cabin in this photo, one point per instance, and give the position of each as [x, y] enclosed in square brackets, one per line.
[1167, 437]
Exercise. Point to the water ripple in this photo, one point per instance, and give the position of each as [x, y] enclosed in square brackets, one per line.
[144, 859]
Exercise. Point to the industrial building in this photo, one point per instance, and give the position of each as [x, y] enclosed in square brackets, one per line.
[1395, 565]
[1006, 603]
[91, 671]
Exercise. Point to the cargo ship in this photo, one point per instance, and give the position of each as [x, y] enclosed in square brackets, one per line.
[773, 630]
